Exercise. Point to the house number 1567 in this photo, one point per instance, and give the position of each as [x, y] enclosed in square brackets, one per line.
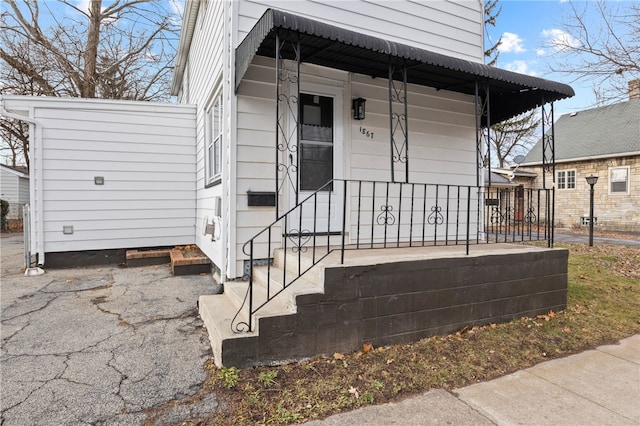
[366, 133]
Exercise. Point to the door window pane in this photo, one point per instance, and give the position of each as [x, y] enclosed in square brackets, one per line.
[316, 118]
[316, 144]
[316, 166]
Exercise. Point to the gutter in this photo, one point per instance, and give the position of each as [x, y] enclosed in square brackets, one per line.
[593, 157]
[184, 45]
[36, 177]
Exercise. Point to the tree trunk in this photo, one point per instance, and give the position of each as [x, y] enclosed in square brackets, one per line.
[91, 52]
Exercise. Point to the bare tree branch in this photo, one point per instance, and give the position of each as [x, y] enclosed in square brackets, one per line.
[124, 50]
[601, 45]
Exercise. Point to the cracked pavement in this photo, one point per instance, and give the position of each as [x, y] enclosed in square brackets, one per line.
[97, 345]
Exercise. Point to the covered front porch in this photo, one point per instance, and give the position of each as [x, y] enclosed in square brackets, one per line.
[401, 187]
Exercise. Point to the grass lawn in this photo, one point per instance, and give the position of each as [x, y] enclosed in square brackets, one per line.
[603, 307]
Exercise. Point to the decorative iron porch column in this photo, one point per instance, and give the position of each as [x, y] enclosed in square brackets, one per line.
[398, 118]
[287, 109]
[549, 163]
[548, 143]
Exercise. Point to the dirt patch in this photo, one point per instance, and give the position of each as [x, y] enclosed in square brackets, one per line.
[191, 250]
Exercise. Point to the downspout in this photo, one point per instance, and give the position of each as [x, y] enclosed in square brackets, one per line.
[34, 148]
[231, 241]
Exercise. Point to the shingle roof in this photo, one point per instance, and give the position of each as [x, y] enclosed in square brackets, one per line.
[327, 45]
[599, 132]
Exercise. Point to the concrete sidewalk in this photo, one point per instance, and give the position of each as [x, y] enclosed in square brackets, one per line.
[596, 387]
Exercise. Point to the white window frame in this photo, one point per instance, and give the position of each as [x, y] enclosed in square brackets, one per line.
[565, 179]
[610, 180]
[213, 140]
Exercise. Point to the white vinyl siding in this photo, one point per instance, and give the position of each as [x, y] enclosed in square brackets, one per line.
[441, 126]
[256, 141]
[209, 83]
[144, 152]
[451, 28]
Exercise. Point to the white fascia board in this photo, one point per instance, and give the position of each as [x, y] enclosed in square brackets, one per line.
[184, 45]
[20, 104]
[14, 172]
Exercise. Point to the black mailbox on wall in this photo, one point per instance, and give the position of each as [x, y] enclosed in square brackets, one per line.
[262, 198]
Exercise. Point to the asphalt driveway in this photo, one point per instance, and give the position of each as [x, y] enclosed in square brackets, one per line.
[98, 345]
[631, 239]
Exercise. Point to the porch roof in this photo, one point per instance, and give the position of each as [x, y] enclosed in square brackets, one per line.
[327, 45]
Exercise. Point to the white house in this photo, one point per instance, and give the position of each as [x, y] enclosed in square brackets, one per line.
[304, 127]
[14, 184]
[227, 66]
[342, 123]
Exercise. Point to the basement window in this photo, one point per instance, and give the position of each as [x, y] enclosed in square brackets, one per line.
[584, 221]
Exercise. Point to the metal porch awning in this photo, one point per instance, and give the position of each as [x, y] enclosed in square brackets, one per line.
[334, 47]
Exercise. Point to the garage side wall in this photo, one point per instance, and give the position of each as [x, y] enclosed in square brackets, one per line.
[116, 175]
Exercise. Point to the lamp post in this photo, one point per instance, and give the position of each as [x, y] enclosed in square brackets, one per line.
[591, 180]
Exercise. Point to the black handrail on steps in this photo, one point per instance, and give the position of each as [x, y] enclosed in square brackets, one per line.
[382, 217]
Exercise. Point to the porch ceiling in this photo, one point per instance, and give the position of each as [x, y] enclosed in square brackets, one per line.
[327, 45]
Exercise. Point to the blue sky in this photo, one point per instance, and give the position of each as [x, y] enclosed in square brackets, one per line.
[528, 29]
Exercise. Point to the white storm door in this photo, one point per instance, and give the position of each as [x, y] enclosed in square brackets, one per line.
[319, 160]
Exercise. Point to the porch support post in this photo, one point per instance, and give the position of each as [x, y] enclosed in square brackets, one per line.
[398, 119]
[287, 117]
[483, 134]
[548, 143]
[549, 162]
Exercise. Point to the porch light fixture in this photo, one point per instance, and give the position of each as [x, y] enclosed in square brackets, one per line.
[591, 180]
[358, 108]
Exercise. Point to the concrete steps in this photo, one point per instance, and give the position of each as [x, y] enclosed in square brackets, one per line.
[218, 311]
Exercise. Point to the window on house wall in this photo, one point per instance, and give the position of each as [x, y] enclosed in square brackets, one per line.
[213, 149]
[619, 180]
[566, 179]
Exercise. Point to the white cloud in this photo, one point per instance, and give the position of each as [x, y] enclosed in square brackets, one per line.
[176, 6]
[559, 40]
[540, 51]
[83, 5]
[521, 67]
[511, 43]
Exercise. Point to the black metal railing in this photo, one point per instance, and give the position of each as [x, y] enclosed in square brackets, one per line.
[355, 214]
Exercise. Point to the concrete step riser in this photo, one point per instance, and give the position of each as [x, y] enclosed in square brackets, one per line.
[217, 311]
[315, 274]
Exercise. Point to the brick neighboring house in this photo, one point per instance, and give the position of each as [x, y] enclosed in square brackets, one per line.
[604, 142]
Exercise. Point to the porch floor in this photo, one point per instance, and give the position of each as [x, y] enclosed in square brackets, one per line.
[381, 255]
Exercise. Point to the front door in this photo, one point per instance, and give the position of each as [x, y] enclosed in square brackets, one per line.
[319, 161]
